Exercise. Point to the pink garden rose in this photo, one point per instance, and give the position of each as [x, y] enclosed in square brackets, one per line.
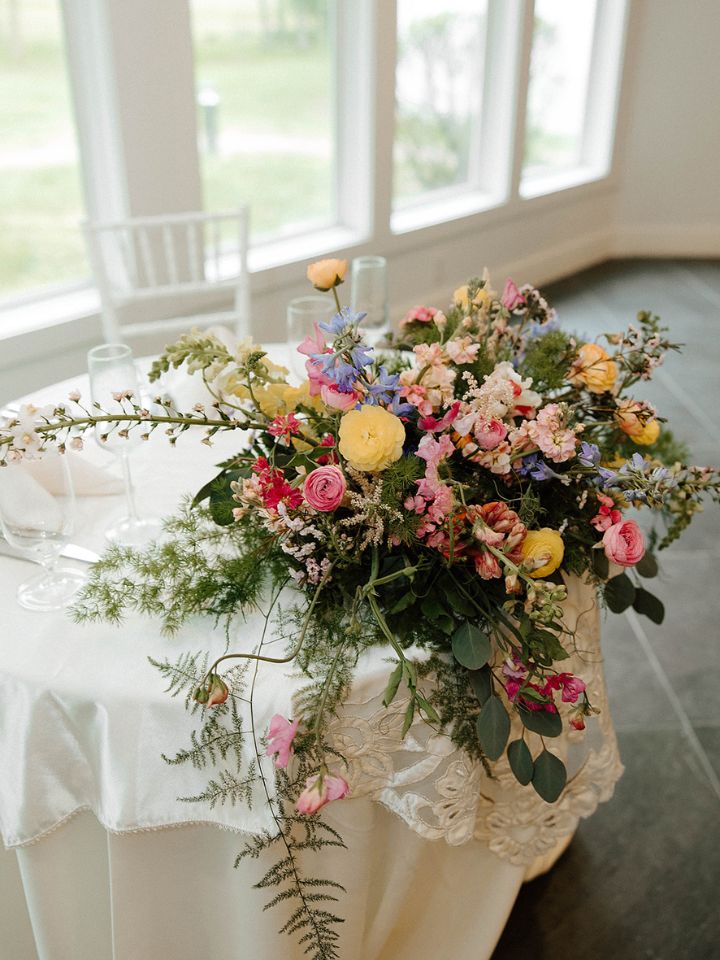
[489, 433]
[624, 543]
[511, 296]
[281, 734]
[324, 488]
[321, 790]
[333, 397]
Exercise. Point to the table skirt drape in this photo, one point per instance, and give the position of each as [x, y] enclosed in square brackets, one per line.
[86, 894]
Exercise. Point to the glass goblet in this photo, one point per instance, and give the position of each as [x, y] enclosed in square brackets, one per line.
[37, 515]
[369, 295]
[112, 372]
[302, 314]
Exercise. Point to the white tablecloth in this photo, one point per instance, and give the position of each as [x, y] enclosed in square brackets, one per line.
[84, 793]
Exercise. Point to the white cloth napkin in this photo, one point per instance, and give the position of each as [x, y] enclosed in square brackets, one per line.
[89, 479]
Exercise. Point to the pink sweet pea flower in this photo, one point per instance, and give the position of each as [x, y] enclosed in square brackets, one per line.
[577, 722]
[511, 296]
[281, 734]
[624, 543]
[434, 425]
[572, 687]
[317, 378]
[418, 314]
[320, 790]
[313, 343]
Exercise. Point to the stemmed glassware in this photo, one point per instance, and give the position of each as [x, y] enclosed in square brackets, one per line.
[302, 313]
[112, 373]
[37, 515]
[369, 295]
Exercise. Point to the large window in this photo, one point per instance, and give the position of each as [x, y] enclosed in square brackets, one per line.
[344, 124]
[572, 89]
[40, 201]
[265, 80]
[439, 89]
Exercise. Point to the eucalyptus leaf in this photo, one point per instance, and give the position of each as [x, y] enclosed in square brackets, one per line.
[648, 566]
[493, 728]
[619, 593]
[649, 605]
[549, 776]
[481, 683]
[541, 721]
[550, 643]
[600, 564]
[405, 601]
[470, 646]
[521, 761]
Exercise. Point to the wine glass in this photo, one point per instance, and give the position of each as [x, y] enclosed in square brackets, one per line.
[369, 295]
[112, 371]
[37, 515]
[302, 313]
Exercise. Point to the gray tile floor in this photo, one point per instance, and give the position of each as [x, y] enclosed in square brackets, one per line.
[641, 878]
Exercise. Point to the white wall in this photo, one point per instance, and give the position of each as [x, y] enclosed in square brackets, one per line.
[668, 158]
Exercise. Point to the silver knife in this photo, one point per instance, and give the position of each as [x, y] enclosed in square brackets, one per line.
[71, 551]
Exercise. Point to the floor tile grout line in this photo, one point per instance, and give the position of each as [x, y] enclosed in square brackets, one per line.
[685, 723]
[692, 408]
[704, 289]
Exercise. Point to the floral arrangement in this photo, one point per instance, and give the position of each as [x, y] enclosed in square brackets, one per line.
[435, 494]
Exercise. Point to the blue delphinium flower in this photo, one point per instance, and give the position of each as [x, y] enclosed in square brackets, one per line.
[342, 322]
[589, 455]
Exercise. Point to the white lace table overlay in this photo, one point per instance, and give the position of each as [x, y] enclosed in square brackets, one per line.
[442, 794]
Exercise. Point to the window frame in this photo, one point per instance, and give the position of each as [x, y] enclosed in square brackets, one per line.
[127, 147]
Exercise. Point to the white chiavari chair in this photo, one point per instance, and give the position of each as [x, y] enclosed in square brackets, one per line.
[183, 268]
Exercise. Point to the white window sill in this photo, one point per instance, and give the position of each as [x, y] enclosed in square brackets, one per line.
[443, 208]
[49, 311]
[541, 183]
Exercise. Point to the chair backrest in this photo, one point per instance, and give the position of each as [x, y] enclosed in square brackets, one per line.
[174, 256]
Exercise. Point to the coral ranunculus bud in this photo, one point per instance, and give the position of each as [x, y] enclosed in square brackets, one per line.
[593, 369]
[218, 691]
[326, 274]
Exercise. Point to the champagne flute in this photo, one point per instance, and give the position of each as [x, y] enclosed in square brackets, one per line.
[369, 295]
[302, 313]
[112, 371]
[37, 515]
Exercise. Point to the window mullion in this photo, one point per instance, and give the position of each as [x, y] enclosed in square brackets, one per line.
[497, 122]
[385, 42]
[604, 86]
[525, 26]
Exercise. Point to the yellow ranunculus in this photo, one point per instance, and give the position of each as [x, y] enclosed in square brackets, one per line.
[462, 299]
[326, 274]
[545, 544]
[294, 396]
[594, 369]
[371, 438]
[647, 435]
[271, 399]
